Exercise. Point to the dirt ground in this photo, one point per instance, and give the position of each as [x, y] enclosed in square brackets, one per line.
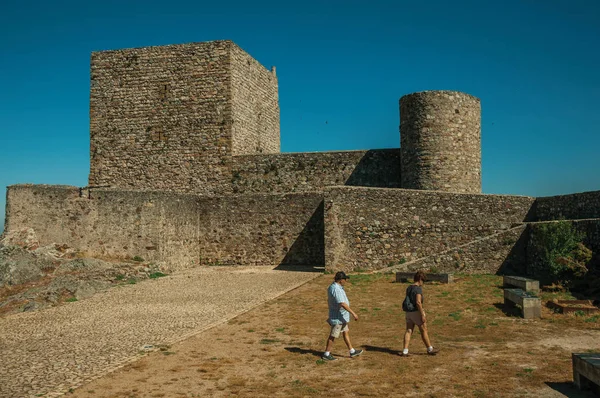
[275, 349]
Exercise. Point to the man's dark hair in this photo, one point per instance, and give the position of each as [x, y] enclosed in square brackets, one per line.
[341, 275]
[420, 276]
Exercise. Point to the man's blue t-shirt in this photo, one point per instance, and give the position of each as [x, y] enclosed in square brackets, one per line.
[335, 296]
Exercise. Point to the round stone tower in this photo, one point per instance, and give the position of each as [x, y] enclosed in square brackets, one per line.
[440, 141]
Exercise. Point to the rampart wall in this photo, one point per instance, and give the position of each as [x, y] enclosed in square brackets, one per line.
[503, 252]
[345, 227]
[313, 171]
[570, 207]
[370, 228]
[507, 252]
[181, 229]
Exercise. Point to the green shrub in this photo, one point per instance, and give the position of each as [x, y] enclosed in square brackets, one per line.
[556, 253]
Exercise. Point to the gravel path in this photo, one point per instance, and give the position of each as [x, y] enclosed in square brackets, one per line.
[48, 352]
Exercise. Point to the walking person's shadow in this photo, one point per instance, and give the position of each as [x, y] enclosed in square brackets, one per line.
[381, 349]
[388, 350]
[303, 351]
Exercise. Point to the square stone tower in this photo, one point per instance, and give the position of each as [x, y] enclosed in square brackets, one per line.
[171, 117]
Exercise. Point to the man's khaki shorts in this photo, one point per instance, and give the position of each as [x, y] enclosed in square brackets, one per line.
[337, 329]
[414, 317]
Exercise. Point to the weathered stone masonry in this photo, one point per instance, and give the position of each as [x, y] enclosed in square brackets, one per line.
[186, 139]
[570, 207]
[344, 227]
[181, 229]
[255, 106]
[440, 134]
[171, 117]
[300, 172]
[375, 228]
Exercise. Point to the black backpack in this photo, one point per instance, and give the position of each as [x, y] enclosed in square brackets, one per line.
[408, 305]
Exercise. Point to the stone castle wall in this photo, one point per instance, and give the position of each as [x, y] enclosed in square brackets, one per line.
[504, 251]
[370, 228]
[255, 106]
[281, 229]
[440, 135]
[570, 207]
[300, 172]
[183, 230]
[349, 228]
[187, 136]
[150, 128]
[46, 209]
[174, 117]
[171, 117]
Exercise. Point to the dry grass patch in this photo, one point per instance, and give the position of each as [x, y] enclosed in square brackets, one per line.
[275, 350]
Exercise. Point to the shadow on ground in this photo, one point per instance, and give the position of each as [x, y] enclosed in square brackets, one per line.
[569, 390]
[508, 310]
[380, 349]
[303, 351]
[299, 268]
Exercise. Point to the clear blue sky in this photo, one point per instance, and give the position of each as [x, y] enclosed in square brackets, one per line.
[534, 64]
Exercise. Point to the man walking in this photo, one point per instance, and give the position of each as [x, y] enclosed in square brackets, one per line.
[339, 316]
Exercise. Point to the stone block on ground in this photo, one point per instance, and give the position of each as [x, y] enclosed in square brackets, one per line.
[531, 306]
[586, 371]
[529, 285]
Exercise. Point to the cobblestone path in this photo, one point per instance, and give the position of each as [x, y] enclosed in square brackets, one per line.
[49, 351]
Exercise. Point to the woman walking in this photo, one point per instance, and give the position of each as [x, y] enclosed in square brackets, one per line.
[415, 314]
